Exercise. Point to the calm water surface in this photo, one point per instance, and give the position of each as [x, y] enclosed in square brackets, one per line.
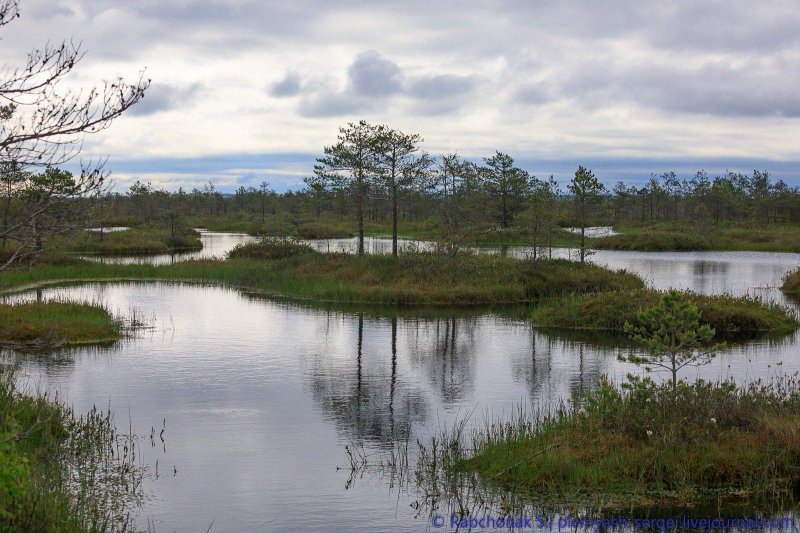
[261, 397]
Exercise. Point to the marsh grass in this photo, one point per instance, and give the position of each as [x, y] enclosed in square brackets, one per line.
[62, 472]
[731, 317]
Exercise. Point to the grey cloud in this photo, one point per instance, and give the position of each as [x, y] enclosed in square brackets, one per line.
[372, 75]
[288, 86]
[55, 11]
[533, 94]
[372, 80]
[754, 88]
[726, 26]
[164, 97]
[332, 105]
[482, 30]
[440, 86]
[711, 25]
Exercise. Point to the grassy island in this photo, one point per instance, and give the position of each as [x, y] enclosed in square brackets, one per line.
[48, 324]
[644, 444]
[294, 271]
[135, 241]
[730, 316]
[685, 237]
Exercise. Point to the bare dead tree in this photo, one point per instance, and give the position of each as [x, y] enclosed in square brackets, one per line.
[42, 125]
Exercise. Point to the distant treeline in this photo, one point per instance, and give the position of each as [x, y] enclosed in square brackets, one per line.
[733, 196]
[378, 175]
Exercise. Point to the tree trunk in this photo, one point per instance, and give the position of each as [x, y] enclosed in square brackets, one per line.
[360, 211]
[583, 241]
[37, 237]
[505, 210]
[394, 221]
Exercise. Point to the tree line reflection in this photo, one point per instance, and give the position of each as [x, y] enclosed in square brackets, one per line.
[407, 372]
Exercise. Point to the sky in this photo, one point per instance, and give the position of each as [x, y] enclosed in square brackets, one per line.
[245, 91]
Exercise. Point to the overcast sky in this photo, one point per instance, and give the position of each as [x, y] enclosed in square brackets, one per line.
[244, 90]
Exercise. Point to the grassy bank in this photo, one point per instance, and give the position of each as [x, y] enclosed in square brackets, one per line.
[730, 316]
[136, 240]
[330, 226]
[59, 472]
[645, 445]
[791, 284]
[46, 324]
[413, 278]
[685, 237]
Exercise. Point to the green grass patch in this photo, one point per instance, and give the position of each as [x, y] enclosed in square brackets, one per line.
[56, 323]
[644, 445]
[730, 316]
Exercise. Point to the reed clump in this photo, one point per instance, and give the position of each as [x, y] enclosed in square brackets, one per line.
[63, 472]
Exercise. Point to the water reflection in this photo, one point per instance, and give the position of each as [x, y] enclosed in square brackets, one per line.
[361, 394]
[444, 351]
[260, 396]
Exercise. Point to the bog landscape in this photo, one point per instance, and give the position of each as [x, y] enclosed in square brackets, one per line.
[394, 331]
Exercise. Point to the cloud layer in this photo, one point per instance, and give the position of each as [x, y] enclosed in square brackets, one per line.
[623, 80]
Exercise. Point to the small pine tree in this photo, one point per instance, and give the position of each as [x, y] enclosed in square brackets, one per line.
[587, 191]
[672, 336]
